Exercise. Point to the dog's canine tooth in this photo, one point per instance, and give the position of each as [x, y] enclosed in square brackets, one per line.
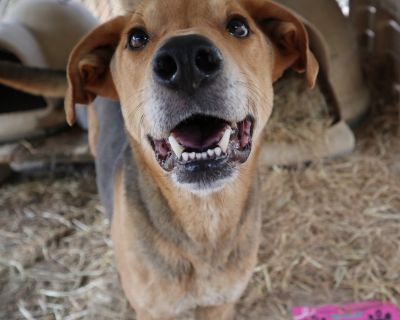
[185, 156]
[224, 142]
[211, 153]
[192, 156]
[233, 125]
[217, 151]
[176, 147]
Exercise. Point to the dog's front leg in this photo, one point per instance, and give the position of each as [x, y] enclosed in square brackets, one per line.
[223, 312]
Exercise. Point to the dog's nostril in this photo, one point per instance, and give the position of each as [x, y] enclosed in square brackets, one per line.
[165, 67]
[186, 63]
[208, 61]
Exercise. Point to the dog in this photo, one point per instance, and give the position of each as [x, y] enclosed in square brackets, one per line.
[179, 94]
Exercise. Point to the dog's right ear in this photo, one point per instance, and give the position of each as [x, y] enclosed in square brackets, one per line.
[88, 68]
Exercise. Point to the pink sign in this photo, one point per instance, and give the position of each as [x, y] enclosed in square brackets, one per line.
[372, 310]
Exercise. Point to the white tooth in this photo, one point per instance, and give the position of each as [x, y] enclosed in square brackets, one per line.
[198, 156]
[224, 142]
[204, 156]
[192, 156]
[211, 153]
[176, 147]
[185, 156]
[218, 151]
[233, 125]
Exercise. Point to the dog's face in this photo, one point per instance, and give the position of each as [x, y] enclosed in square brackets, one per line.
[194, 79]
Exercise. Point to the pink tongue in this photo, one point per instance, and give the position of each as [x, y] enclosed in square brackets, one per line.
[200, 135]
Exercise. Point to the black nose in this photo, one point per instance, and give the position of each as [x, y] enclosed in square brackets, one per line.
[186, 63]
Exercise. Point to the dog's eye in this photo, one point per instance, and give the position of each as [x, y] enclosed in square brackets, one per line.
[137, 39]
[237, 27]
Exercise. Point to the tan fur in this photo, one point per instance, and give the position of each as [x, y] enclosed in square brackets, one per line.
[206, 257]
[93, 128]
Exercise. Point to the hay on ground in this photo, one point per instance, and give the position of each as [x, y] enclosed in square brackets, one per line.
[299, 115]
[330, 234]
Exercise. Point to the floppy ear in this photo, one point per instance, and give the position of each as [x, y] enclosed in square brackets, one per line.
[289, 39]
[88, 68]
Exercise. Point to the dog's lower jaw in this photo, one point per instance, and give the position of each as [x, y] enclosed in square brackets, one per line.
[204, 188]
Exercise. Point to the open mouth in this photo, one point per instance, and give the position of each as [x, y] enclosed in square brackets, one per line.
[202, 142]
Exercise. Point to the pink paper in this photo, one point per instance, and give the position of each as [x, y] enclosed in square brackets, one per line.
[372, 310]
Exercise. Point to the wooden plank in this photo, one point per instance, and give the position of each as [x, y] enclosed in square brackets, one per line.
[70, 146]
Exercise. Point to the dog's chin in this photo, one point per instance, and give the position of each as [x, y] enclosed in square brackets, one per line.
[203, 154]
[205, 178]
[205, 183]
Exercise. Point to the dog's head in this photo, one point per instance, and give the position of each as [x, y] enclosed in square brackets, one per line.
[194, 79]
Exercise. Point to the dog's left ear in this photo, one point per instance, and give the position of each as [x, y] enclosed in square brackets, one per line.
[288, 36]
[88, 68]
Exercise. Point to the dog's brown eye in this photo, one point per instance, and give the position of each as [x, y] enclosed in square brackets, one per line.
[237, 27]
[137, 39]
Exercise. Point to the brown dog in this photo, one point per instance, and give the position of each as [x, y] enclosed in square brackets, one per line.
[176, 161]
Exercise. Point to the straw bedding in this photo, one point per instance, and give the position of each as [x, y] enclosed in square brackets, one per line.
[330, 234]
[299, 114]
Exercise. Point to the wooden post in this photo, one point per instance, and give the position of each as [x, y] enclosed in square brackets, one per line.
[377, 23]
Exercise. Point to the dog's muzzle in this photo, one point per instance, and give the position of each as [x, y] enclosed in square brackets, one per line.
[204, 147]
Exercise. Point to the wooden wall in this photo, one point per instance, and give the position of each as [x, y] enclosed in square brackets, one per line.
[378, 27]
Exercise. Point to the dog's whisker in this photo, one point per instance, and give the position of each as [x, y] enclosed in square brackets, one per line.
[262, 99]
[250, 87]
[137, 113]
[141, 126]
[254, 97]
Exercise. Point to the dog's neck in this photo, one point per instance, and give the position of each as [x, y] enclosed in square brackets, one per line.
[206, 219]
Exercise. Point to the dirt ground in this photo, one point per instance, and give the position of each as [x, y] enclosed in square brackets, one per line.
[330, 234]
